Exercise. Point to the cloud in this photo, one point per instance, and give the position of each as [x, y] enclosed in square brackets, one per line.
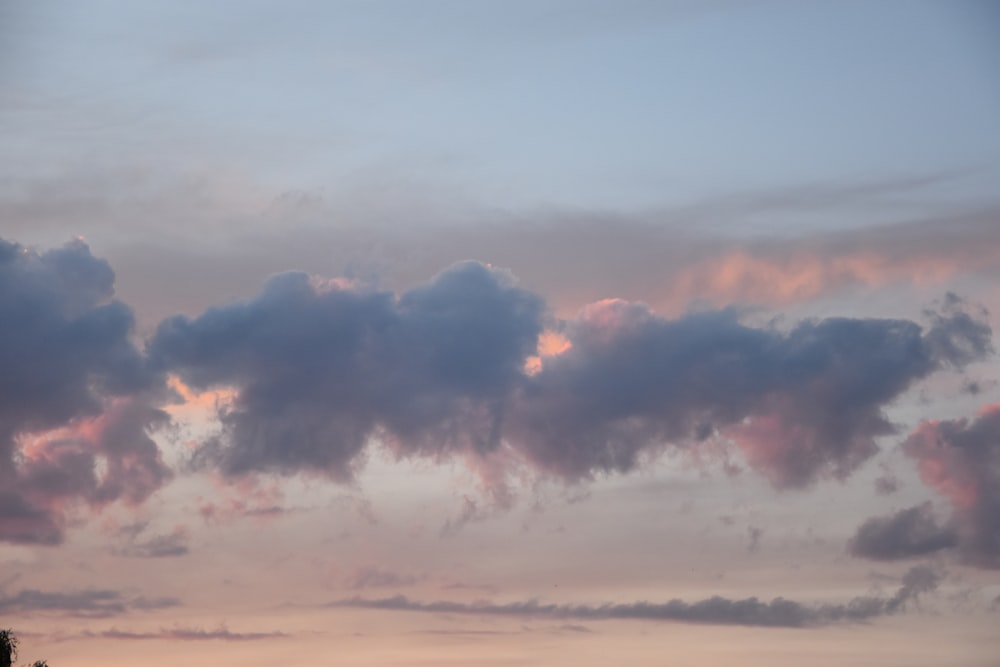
[887, 483]
[188, 634]
[92, 461]
[779, 612]
[166, 545]
[320, 368]
[960, 459]
[74, 393]
[471, 512]
[89, 603]
[71, 345]
[234, 232]
[908, 533]
[375, 577]
[801, 404]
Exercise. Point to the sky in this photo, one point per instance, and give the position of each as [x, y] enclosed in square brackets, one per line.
[561, 332]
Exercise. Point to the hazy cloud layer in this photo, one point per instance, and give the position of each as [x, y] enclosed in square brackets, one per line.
[779, 612]
[72, 388]
[233, 233]
[371, 576]
[575, 258]
[321, 367]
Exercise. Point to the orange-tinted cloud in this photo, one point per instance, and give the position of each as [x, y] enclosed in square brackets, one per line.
[743, 276]
[90, 462]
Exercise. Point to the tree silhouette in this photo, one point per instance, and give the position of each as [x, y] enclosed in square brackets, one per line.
[8, 647]
[8, 650]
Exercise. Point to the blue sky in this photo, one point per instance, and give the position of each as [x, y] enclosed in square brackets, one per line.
[622, 106]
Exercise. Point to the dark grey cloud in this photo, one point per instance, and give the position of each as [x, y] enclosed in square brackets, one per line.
[71, 344]
[89, 603]
[960, 459]
[322, 368]
[802, 403]
[887, 483]
[74, 393]
[908, 533]
[163, 602]
[25, 523]
[779, 612]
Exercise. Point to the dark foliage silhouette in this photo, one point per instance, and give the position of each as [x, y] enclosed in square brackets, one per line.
[8, 650]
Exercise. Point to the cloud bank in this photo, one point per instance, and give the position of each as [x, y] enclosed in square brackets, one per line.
[469, 364]
[322, 368]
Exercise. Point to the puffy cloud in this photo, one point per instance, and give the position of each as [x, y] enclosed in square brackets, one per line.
[67, 342]
[800, 404]
[321, 367]
[92, 462]
[74, 393]
[779, 612]
[960, 458]
[908, 533]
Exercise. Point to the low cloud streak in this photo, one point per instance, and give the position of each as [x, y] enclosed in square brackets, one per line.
[779, 612]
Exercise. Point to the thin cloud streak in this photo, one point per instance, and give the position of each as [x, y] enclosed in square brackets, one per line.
[779, 612]
[88, 603]
[186, 634]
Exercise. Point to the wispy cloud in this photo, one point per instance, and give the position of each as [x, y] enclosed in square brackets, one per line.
[187, 634]
[779, 612]
[88, 603]
[166, 545]
[371, 576]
